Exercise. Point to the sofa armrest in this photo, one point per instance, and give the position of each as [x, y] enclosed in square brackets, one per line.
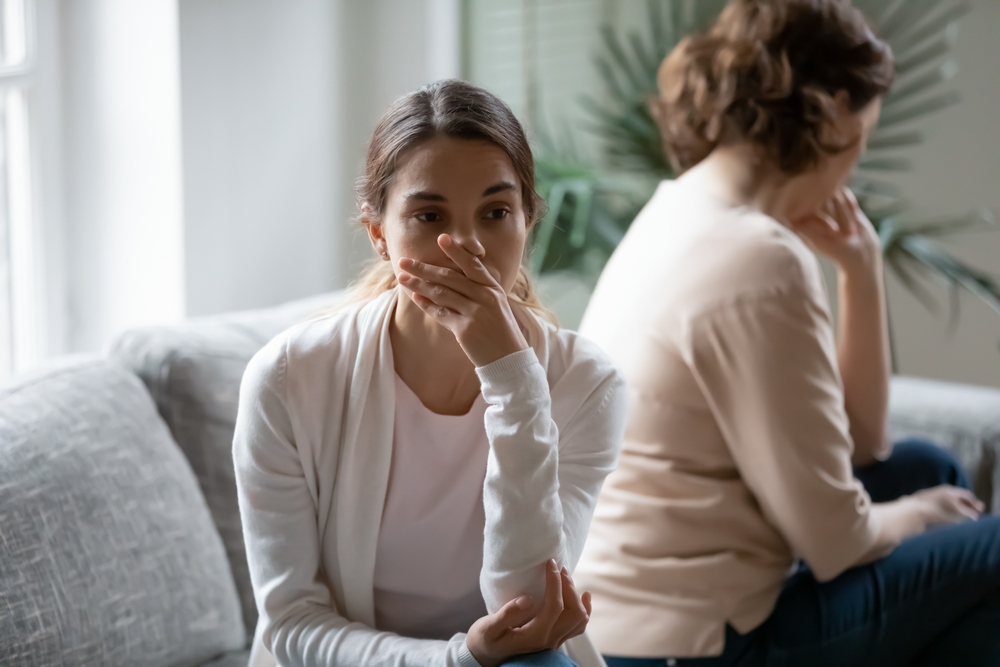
[193, 372]
[964, 419]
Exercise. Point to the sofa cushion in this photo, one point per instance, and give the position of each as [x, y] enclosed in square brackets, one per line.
[108, 554]
[962, 418]
[193, 371]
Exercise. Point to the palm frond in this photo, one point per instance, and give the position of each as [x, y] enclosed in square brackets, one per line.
[885, 141]
[582, 218]
[922, 108]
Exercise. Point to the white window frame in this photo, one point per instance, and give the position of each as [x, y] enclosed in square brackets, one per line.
[20, 336]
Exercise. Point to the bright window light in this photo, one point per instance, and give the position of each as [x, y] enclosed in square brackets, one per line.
[18, 295]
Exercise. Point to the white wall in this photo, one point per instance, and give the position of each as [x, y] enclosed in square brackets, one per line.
[121, 157]
[279, 100]
[259, 108]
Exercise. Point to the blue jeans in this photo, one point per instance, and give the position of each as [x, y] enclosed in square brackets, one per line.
[933, 602]
[541, 659]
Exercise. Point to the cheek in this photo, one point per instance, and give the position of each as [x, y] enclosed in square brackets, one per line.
[412, 241]
[507, 249]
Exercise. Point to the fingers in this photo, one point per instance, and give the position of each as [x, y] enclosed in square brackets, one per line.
[587, 604]
[513, 614]
[439, 275]
[822, 223]
[968, 504]
[552, 605]
[446, 317]
[575, 616]
[438, 294]
[571, 601]
[471, 265]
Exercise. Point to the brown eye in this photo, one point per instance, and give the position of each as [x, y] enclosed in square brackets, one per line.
[429, 216]
[498, 214]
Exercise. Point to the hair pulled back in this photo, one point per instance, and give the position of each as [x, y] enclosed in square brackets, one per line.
[766, 72]
[454, 109]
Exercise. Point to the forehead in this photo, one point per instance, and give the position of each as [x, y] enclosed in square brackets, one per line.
[446, 165]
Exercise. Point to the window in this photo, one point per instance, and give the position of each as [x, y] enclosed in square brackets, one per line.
[18, 335]
[536, 55]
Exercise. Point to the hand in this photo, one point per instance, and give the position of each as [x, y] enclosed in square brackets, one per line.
[469, 302]
[515, 630]
[841, 231]
[947, 505]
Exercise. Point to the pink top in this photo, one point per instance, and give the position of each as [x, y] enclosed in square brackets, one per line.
[430, 543]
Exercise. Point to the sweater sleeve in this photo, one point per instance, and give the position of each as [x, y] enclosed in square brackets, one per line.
[302, 626]
[541, 486]
[767, 366]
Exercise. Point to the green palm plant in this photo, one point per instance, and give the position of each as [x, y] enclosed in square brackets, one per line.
[582, 224]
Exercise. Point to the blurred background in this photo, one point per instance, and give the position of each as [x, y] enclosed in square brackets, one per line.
[166, 159]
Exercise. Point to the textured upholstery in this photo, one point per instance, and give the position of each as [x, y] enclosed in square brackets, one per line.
[234, 659]
[193, 371]
[963, 418]
[108, 554]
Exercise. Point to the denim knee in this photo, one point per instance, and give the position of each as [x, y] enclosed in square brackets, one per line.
[931, 462]
[541, 659]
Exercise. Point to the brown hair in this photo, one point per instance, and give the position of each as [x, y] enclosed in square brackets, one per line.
[455, 109]
[766, 72]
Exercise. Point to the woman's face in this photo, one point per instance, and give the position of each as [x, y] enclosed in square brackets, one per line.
[465, 188]
[851, 128]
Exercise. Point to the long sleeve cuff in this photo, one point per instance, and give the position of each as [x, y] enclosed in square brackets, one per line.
[507, 367]
[465, 657]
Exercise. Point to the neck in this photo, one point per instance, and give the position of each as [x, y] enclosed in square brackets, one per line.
[430, 361]
[738, 175]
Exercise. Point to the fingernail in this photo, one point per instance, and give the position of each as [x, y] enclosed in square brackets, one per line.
[552, 564]
[523, 602]
[565, 572]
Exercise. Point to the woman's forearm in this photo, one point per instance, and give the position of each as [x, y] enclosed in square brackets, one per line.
[864, 359]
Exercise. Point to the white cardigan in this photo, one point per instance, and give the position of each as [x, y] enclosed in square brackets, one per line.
[312, 453]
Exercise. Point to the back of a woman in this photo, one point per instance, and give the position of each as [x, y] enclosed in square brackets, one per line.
[759, 516]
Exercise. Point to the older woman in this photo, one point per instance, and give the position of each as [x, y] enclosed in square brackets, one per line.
[759, 515]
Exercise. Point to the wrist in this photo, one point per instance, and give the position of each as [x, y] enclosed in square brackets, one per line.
[478, 655]
[919, 513]
[863, 265]
[861, 274]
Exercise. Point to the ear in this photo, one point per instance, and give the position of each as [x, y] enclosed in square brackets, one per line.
[842, 103]
[373, 225]
[845, 127]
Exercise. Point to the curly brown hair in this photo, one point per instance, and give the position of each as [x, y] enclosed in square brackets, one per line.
[767, 72]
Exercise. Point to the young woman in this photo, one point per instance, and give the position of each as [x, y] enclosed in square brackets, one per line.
[754, 439]
[417, 471]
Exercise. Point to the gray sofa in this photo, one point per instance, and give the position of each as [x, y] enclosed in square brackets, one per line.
[120, 539]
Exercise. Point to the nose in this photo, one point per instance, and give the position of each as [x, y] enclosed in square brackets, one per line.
[465, 236]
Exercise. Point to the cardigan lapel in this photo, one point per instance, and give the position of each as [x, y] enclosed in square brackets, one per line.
[363, 477]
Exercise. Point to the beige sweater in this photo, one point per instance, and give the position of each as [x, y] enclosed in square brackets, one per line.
[737, 457]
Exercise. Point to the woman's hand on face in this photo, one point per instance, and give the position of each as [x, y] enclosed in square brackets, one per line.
[515, 630]
[948, 505]
[469, 302]
[841, 231]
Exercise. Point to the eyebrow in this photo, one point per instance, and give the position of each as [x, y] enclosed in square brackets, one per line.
[499, 187]
[423, 195]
